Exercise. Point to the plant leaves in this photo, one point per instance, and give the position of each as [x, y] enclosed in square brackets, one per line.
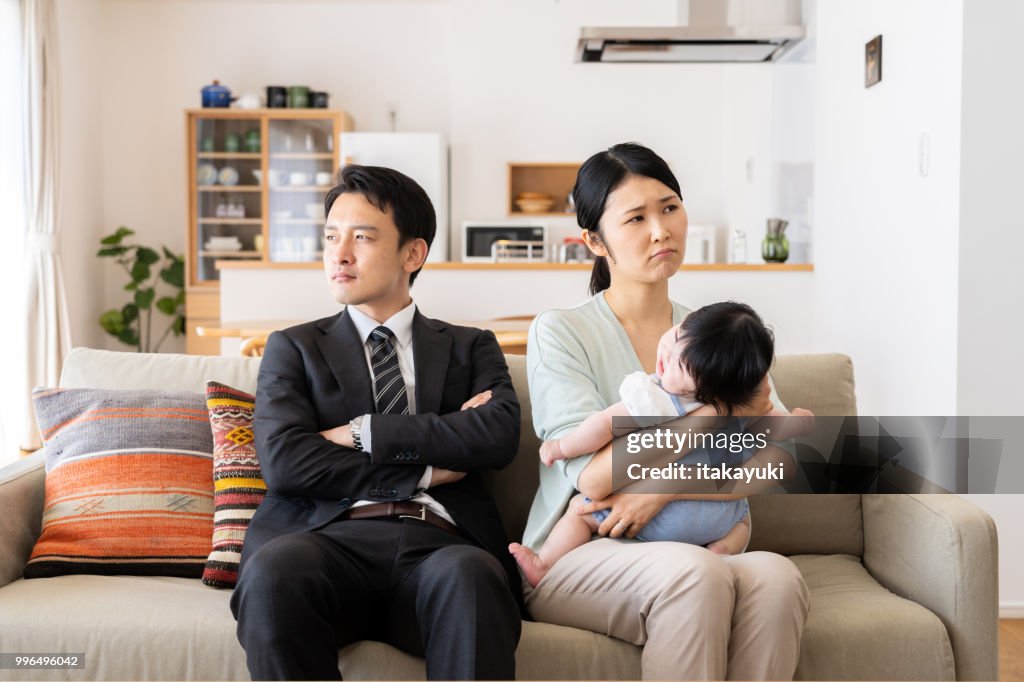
[174, 274]
[180, 298]
[116, 238]
[179, 325]
[167, 305]
[129, 313]
[111, 251]
[112, 322]
[146, 255]
[144, 298]
[129, 336]
[140, 271]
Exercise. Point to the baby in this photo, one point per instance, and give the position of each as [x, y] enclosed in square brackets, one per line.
[711, 363]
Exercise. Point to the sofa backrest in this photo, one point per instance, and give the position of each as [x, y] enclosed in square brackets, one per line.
[90, 368]
[789, 524]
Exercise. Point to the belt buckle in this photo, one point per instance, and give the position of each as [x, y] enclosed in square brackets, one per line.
[422, 515]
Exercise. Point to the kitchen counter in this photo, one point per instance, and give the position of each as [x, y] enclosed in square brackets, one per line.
[782, 293]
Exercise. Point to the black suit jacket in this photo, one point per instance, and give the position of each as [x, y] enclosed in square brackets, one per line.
[314, 377]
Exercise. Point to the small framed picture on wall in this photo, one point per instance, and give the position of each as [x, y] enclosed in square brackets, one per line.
[873, 61]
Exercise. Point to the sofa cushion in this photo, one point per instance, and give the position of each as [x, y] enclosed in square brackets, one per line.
[128, 483]
[128, 627]
[807, 524]
[546, 652]
[238, 486]
[858, 630]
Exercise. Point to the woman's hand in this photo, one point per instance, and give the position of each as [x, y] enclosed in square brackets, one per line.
[629, 512]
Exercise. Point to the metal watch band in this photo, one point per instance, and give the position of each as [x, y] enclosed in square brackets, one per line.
[356, 425]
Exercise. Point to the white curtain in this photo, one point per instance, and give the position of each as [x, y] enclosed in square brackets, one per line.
[12, 232]
[47, 331]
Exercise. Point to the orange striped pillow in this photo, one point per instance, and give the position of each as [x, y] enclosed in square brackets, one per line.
[128, 483]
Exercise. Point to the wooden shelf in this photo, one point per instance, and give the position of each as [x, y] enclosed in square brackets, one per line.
[298, 156]
[554, 179]
[229, 188]
[254, 156]
[524, 214]
[231, 254]
[231, 221]
[301, 188]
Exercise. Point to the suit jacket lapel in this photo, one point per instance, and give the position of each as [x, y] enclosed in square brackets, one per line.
[431, 352]
[344, 355]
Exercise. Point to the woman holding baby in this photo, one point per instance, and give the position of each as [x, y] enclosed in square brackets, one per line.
[698, 614]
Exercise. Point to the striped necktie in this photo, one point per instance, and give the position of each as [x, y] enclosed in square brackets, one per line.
[388, 386]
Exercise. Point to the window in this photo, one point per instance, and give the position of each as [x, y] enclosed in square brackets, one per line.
[12, 229]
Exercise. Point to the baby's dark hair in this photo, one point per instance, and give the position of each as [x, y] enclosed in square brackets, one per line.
[728, 352]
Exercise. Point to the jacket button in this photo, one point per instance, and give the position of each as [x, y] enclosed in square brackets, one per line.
[392, 492]
[416, 455]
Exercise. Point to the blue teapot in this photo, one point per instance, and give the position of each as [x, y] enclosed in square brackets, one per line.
[216, 95]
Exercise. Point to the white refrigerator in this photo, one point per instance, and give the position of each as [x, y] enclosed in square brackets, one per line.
[421, 156]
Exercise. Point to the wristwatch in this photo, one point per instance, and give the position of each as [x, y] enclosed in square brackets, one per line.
[356, 425]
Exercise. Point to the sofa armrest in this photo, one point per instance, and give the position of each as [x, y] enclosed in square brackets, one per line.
[21, 498]
[941, 552]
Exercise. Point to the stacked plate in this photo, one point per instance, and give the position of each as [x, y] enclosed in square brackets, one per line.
[223, 244]
[534, 202]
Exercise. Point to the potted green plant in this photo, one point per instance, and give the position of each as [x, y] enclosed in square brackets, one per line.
[132, 323]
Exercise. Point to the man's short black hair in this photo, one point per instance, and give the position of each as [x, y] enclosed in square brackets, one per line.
[389, 190]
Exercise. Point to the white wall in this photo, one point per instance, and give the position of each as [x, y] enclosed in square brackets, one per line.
[81, 210]
[991, 240]
[516, 95]
[885, 237]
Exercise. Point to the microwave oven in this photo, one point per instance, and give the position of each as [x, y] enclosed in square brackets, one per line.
[478, 236]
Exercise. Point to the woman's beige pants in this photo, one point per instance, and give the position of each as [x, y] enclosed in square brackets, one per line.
[697, 615]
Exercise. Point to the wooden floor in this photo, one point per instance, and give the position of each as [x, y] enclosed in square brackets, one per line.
[1011, 650]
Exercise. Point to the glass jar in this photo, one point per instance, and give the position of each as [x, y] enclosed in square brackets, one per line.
[738, 247]
[775, 247]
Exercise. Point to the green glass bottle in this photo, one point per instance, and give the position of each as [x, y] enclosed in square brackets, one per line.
[775, 247]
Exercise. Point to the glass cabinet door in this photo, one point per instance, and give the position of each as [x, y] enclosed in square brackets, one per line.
[301, 168]
[228, 192]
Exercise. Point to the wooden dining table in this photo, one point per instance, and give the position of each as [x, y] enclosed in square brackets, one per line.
[511, 333]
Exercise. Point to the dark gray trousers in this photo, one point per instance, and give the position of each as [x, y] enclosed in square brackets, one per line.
[302, 596]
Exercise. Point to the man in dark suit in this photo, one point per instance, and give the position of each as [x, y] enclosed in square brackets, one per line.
[372, 428]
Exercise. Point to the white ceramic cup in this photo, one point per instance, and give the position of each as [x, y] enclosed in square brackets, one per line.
[299, 178]
[323, 178]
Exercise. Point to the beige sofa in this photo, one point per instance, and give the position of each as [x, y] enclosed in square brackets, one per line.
[902, 587]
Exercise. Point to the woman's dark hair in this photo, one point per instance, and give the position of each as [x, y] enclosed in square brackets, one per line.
[387, 189]
[599, 176]
[728, 352]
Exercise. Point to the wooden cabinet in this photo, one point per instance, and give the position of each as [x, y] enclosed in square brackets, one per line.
[256, 185]
[540, 189]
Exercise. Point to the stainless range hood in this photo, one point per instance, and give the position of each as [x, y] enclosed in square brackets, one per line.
[708, 31]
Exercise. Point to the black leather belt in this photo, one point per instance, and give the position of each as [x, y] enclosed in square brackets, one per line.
[400, 510]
